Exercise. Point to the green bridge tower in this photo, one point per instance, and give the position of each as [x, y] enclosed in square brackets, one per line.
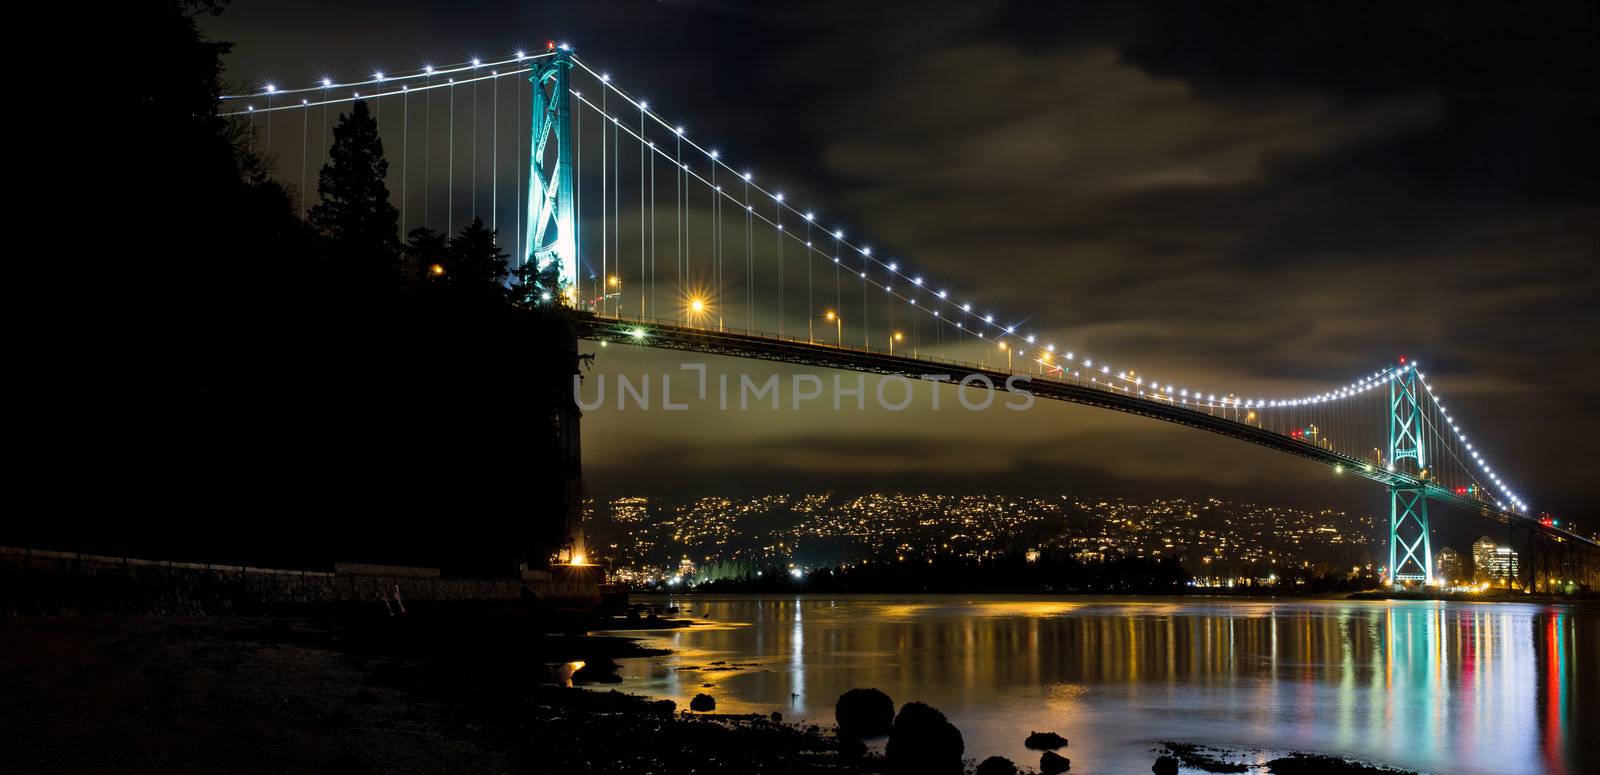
[1410, 550]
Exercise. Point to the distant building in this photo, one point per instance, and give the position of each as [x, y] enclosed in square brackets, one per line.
[1447, 567]
[1503, 568]
[1483, 559]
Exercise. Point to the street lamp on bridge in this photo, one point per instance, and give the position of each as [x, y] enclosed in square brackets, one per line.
[838, 325]
[895, 337]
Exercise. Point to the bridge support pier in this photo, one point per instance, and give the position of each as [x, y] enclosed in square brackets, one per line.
[1410, 550]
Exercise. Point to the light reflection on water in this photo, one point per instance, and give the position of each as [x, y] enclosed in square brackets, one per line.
[1444, 687]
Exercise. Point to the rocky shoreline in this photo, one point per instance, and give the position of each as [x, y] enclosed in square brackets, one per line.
[441, 689]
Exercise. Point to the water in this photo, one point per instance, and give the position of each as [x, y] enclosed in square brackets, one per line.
[1439, 687]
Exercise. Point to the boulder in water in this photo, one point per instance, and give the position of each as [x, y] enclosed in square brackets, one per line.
[703, 703]
[996, 765]
[1165, 765]
[1045, 741]
[923, 741]
[1052, 763]
[863, 713]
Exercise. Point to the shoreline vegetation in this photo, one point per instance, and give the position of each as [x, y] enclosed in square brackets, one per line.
[445, 687]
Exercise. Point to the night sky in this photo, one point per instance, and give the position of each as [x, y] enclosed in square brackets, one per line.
[1274, 196]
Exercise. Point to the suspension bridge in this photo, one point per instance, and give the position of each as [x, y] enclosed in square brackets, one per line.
[661, 240]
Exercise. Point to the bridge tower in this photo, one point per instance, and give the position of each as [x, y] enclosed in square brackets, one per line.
[552, 231]
[1410, 549]
[552, 237]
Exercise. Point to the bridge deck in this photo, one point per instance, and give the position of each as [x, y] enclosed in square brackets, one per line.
[673, 335]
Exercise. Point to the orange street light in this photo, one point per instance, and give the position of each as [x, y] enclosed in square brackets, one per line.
[696, 308]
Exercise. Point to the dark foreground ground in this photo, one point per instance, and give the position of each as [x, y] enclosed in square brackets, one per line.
[444, 690]
[441, 693]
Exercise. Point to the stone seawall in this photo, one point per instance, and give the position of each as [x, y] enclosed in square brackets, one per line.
[39, 581]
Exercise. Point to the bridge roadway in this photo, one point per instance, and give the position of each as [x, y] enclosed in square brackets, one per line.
[674, 335]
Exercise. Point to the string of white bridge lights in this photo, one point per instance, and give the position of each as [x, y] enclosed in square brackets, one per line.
[426, 71]
[404, 89]
[1131, 381]
[1477, 457]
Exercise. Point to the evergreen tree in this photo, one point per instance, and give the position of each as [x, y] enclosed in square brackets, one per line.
[477, 267]
[537, 287]
[355, 215]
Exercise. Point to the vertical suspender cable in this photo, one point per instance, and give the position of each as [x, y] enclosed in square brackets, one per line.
[326, 143]
[653, 311]
[749, 264]
[450, 192]
[519, 258]
[305, 124]
[716, 241]
[494, 162]
[778, 218]
[687, 252]
[677, 223]
[605, 279]
[616, 207]
[474, 176]
[427, 154]
[405, 152]
[642, 212]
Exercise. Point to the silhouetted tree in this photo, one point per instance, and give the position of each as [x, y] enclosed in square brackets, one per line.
[354, 214]
[538, 287]
[477, 267]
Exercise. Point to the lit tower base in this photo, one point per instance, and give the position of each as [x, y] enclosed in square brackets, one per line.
[1410, 549]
